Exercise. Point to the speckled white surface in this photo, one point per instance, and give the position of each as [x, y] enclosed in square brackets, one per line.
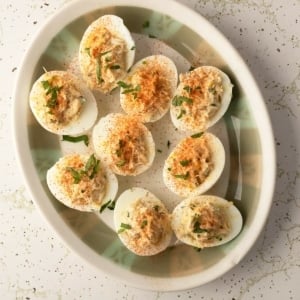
[35, 264]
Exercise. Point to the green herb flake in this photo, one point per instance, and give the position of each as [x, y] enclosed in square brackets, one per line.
[51, 90]
[92, 166]
[197, 228]
[197, 135]
[185, 162]
[144, 224]
[98, 71]
[159, 151]
[178, 100]
[75, 174]
[115, 67]
[169, 169]
[46, 84]
[156, 208]
[182, 112]
[214, 105]
[192, 68]
[182, 176]
[197, 249]
[146, 24]
[105, 52]
[168, 144]
[112, 205]
[121, 163]
[124, 227]
[87, 51]
[76, 139]
[104, 206]
[132, 48]
[187, 88]
[212, 90]
[132, 90]
[124, 85]
[151, 36]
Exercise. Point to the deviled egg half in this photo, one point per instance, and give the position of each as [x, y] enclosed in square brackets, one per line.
[82, 182]
[106, 52]
[206, 221]
[149, 87]
[194, 165]
[142, 222]
[201, 99]
[62, 104]
[124, 144]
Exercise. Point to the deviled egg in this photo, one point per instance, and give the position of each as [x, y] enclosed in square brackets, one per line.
[106, 52]
[206, 221]
[142, 222]
[149, 87]
[124, 144]
[62, 104]
[194, 165]
[201, 99]
[81, 182]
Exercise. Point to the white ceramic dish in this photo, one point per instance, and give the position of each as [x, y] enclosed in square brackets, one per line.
[249, 175]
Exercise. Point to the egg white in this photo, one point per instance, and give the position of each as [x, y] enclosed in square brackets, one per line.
[182, 215]
[88, 113]
[59, 192]
[167, 70]
[227, 86]
[101, 135]
[124, 207]
[115, 25]
[218, 159]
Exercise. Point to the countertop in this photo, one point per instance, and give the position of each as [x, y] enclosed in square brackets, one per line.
[35, 263]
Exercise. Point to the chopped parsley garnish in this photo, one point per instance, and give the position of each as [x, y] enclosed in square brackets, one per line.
[185, 162]
[197, 228]
[159, 151]
[192, 68]
[75, 139]
[168, 144]
[197, 135]
[144, 224]
[151, 36]
[178, 100]
[146, 24]
[182, 112]
[124, 227]
[213, 104]
[105, 205]
[169, 169]
[132, 48]
[115, 67]
[52, 91]
[182, 176]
